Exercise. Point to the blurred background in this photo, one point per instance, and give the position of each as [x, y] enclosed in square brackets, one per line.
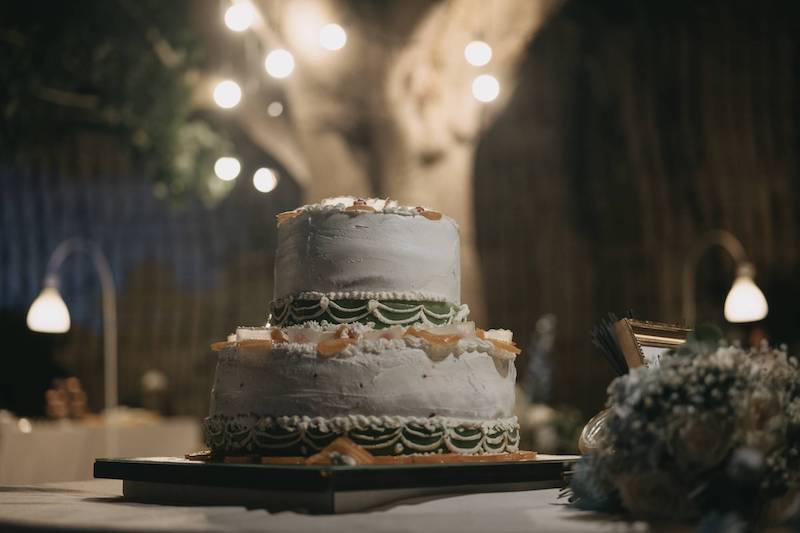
[590, 151]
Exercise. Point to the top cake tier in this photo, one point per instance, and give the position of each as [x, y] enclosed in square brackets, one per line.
[347, 248]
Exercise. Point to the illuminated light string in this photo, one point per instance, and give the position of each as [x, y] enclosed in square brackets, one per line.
[332, 37]
[280, 63]
[478, 53]
[227, 168]
[240, 16]
[275, 109]
[485, 88]
[265, 180]
[227, 94]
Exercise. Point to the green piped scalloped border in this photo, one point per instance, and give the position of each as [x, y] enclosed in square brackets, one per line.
[399, 312]
[241, 436]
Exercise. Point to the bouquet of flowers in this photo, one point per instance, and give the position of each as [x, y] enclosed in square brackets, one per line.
[713, 430]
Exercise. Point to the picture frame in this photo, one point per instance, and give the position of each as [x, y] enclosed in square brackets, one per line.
[644, 342]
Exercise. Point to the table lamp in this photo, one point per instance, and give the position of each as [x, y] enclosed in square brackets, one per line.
[745, 301]
[49, 314]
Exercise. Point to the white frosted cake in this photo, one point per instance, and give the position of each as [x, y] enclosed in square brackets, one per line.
[366, 338]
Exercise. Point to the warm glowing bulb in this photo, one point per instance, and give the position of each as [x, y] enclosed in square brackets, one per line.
[478, 53]
[485, 88]
[275, 109]
[227, 94]
[48, 313]
[227, 168]
[240, 16]
[745, 301]
[279, 63]
[265, 180]
[332, 37]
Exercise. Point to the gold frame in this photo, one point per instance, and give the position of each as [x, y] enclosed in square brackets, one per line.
[635, 335]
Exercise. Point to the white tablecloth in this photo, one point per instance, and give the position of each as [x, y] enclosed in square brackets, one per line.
[66, 450]
[96, 505]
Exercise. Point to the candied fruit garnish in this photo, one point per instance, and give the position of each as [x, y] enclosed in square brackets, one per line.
[278, 335]
[345, 332]
[438, 340]
[287, 215]
[331, 347]
[506, 346]
[430, 215]
[356, 207]
[217, 346]
[255, 344]
[342, 446]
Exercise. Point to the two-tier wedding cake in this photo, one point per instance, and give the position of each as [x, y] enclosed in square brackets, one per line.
[367, 338]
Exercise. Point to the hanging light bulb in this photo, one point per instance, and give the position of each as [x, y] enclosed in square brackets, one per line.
[275, 109]
[48, 312]
[265, 180]
[485, 88]
[227, 94]
[478, 53]
[332, 37]
[279, 63]
[745, 301]
[227, 168]
[240, 16]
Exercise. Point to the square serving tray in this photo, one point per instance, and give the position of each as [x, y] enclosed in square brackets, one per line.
[328, 489]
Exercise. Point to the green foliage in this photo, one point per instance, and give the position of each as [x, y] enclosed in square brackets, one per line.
[119, 67]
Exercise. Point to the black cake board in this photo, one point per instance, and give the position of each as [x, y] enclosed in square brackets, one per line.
[318, 489]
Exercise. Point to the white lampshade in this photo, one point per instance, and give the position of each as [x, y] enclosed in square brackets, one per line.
[745, 301]
[48, 312]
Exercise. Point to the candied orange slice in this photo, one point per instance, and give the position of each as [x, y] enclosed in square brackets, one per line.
[506, 346]
[345, 332]
[439, 340]
[255, 344]
[359, 207]
[278, 336]
[343, 446]
[217, 346]
[430, 215]
[287, 215]
[330, 347]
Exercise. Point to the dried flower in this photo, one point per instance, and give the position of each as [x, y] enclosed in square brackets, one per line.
[717, 422]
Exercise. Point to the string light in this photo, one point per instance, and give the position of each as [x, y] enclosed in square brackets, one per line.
[227, 94]
[240, 16]
[279, 63]
[227, 168]
[485, 88]
[332, 37]
[478, 53]
[265, 180]
[275, 109]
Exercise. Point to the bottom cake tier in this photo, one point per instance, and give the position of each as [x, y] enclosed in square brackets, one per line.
[292, 391]
[379, 435]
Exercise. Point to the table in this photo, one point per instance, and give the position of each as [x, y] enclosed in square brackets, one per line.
[50, 451]
[96, 505]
